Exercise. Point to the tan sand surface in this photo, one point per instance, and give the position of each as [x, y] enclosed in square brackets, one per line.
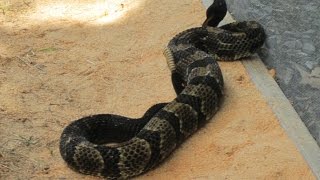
[62, 60]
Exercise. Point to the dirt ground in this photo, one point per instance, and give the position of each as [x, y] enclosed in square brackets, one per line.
[62, 60]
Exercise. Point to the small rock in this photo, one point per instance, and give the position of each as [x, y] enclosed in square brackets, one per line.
[288, 34]
[289, 44]
[272, 73]
[315, 72]
[310, 64]
[240, 78]
[308, 48]
[272, 42]
[298, 44]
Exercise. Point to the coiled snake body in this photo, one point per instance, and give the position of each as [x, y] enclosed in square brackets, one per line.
[143, 143]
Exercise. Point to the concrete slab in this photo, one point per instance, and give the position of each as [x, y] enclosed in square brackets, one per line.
[293, 50]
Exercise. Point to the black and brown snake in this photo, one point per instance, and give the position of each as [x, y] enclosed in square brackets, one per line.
[117, 147]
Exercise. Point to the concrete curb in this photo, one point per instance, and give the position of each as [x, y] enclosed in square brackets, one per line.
[280, 105]
[287, 116]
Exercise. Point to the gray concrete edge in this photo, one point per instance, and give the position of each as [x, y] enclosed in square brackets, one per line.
[281, 107]
[285, 113]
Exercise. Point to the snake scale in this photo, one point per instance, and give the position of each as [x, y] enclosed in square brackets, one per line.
[117, 147]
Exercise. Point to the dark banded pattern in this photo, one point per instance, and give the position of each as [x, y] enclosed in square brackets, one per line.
[117, 147]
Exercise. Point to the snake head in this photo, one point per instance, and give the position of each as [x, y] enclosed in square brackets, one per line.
[215, 13]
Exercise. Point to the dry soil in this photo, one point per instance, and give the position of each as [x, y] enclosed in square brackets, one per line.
[62, 60]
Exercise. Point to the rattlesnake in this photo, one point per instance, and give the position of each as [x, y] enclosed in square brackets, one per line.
[117, 147]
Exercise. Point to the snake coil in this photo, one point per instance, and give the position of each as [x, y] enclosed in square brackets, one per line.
[117, 147]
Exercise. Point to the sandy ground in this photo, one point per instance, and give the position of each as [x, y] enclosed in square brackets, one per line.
[64, 60]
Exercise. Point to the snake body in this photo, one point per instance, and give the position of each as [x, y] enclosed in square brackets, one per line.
[117, 147]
